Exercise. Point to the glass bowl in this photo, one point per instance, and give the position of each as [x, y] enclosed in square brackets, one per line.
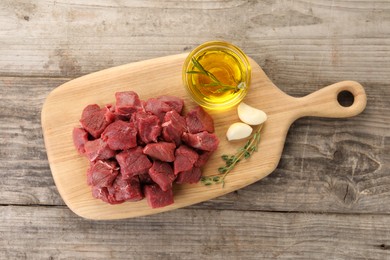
[217, 75]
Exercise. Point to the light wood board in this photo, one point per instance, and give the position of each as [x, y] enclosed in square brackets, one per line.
[62, 110]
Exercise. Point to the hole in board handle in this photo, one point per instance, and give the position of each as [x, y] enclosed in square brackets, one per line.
[345, 98]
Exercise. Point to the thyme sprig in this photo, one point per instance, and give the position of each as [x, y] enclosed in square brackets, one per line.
[215, 82]
[244, 152]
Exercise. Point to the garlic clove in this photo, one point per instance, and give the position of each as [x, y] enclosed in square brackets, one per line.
[238, 131]
[251, 115]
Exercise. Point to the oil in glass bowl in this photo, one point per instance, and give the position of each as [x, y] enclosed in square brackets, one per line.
[217, 75]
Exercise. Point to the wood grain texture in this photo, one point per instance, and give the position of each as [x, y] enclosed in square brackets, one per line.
[327, 165]
[56, 233]
[24, 170]
[315, 180]
[294, 40]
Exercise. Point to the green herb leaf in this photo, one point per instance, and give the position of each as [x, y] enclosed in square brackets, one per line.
[225, 157]
[216, 179]
[194, 72]
[215, 81]
[231, 161]
[222, 169]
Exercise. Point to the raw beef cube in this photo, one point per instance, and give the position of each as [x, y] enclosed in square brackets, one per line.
[98, 150]
[103, 194]
[185, 159]
[156, 197]
[174, 102]
[94, 121]
[162, 174]
[133, 162]
[80, 137]
[127, 103]
[89, 110]
[198, 121]
[203, 158]
[126, 190]
[191, 176]
[102, 173]
[120, 135]
[135, 116]
[110, 113]
[148, 127]
[157, 107]
[162, 151]
[144, 178]
[173, 127]
[203, 141]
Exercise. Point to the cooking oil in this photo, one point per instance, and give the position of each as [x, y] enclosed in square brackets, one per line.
[217, 75]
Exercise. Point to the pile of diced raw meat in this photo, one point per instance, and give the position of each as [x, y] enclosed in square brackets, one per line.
[140, 148]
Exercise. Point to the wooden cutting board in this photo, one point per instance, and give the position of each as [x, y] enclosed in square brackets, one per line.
[162, 76]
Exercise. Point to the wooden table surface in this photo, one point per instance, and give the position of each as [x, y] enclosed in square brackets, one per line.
[329, 197]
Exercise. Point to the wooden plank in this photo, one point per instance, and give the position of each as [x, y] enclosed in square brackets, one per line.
[299, 41]
[25, 173]
[328, 165]
[56, 233]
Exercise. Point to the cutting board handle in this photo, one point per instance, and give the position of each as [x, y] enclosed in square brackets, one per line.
[324, 102]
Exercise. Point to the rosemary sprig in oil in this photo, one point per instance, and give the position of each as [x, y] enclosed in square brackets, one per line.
[244, 152]
[215, 82]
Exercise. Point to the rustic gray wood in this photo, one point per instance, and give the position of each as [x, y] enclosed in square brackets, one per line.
[55, 233]
[329, 197]
[325, 166]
